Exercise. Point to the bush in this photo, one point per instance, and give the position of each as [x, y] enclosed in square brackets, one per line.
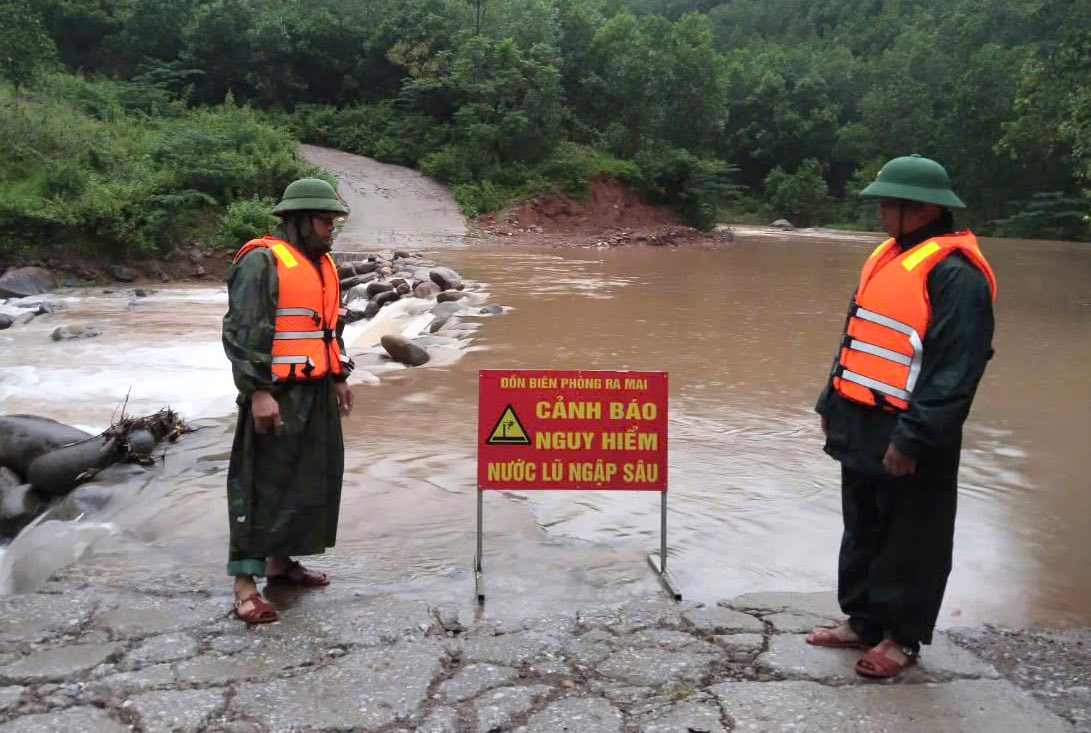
[572, 167]
[83, 169]
[244, 220]
[1052, 215]
[798, 195]
[381, 131]
[696, 187]
[483, 196]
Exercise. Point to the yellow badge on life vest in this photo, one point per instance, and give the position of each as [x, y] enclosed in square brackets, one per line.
[508, 430]
[284, 255]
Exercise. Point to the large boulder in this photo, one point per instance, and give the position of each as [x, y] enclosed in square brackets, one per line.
[8, 478]
[385, 297]
[374, 288]
[356, 310]
[358, 292]
[450, 295]
[123, 273]
[378, 302]
[447, 309]
[23, 438]
[36, 304]
[426, 290]
[446, 278]
[403, 350]
[5, 321]
[351, 282]
[18, 505]
[64, 333]
[359, 267]
[783, 224]
[57, 472]
[23, 281]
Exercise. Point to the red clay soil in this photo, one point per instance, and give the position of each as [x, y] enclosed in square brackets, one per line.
[611, 215]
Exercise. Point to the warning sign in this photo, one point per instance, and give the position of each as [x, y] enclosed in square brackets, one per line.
[543, 429]
[508, 430]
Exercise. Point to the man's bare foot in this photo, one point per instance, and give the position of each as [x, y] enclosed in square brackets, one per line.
[839, 637]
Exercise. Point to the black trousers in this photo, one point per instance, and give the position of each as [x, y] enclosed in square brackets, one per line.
[896, 550]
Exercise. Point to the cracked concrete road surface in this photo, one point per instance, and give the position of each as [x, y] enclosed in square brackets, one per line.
[87, 654]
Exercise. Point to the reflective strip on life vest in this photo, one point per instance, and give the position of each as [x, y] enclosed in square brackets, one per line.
[313, 315]
[294, 335]
[291, 359]
[874, 350]
[914, 340]
[874, 384]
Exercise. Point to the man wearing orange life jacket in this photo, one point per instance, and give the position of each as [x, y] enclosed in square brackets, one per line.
[282, 334]
[916, 341]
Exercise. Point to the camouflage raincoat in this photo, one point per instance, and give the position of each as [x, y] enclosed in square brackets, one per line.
[283, 491]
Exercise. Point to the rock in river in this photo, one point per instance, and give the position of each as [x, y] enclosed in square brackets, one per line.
[404, 350]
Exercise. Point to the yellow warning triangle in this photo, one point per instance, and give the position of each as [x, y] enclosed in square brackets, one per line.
[508, 430]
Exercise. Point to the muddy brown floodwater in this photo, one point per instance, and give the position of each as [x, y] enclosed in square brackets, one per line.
[746, 332]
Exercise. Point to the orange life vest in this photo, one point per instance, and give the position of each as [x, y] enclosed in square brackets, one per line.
[308, 306]
[883, 344]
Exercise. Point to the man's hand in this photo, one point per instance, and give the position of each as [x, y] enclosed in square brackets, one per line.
[344, 397]
[266, 412]
[897, 463]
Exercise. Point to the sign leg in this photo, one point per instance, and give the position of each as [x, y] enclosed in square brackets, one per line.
[479, 574]
[660, 569]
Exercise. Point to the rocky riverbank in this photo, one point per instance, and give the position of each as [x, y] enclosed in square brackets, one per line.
[92, 652]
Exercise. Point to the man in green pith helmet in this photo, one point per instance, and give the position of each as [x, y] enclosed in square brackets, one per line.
[916, 340]
[282, 334]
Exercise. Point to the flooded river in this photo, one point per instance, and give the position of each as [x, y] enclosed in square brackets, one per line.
[746, 333]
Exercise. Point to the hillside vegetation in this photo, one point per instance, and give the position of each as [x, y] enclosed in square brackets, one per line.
[135, 124]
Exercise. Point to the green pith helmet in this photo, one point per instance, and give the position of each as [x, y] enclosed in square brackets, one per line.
[914, 178]
[310, 194]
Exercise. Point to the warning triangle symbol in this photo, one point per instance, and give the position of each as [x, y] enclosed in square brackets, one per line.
[508, 430]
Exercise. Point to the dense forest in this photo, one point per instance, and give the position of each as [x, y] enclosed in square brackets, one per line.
[134, 125]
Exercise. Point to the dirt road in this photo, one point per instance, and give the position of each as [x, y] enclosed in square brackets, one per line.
[391, 206]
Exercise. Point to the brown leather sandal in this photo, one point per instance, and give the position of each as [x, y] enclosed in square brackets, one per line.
[306, 577]
[829, 638]
[875, 662]
[262, 611]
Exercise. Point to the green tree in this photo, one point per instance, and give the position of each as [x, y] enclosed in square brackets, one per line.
[503, 105]
[27, 48]
[645, 76]
[783, 107]
[797, 195]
